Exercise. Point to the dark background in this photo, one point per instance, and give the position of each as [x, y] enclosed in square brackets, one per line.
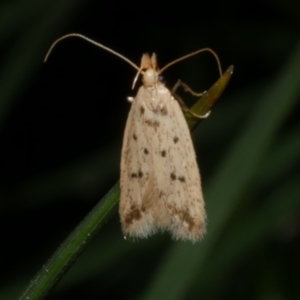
[61, 128]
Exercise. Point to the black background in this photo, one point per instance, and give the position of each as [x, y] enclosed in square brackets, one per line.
[62, 124]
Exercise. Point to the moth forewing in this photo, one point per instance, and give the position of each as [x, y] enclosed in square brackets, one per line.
[160, 181]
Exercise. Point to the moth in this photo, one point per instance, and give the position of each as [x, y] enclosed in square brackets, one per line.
[160, 180]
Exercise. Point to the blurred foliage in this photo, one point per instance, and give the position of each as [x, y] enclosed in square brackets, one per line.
[61, 135]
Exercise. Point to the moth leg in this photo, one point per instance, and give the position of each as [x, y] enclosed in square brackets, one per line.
[199, 116]
[181, 102]
[186, 89]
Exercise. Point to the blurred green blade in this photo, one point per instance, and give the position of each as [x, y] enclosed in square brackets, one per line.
[250, 233]
[284, 157]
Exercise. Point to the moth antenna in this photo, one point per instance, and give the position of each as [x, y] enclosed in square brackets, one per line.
[192, 54]
[92, 42]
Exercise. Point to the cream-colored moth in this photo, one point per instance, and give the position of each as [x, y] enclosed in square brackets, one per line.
[160, 179]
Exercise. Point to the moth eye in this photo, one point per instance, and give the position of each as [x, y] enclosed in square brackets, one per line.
[161, 79]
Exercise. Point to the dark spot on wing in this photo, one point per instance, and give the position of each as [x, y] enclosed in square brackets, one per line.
[184, 216]
[173, 176]
[163, 111]
[134, 136]
[146, 151]
[152, 123]
[140, 174]
[175, 139]
[163, 153]
[133, 175]
[181, 178]
[134, 214]
[142, 110]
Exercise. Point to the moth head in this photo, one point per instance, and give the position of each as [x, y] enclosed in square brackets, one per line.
[150, 77]
[149, 70]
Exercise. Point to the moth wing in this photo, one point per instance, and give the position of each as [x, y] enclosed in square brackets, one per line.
[160, 181]
[137, 184]
[180, 200]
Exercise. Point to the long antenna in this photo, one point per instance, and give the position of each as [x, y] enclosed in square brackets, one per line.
[192, 54]
[92, 42]
[129, 61]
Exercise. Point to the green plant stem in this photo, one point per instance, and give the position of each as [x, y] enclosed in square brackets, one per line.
[66, 254]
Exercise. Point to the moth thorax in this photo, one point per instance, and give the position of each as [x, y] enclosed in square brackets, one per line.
[150, 77]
